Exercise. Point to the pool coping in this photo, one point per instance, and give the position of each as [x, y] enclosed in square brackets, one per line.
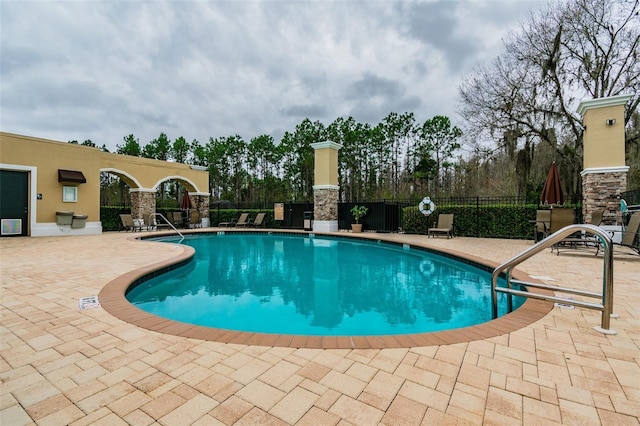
[112, 299]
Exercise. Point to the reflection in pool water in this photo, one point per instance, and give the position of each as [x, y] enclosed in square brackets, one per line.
[287, 284]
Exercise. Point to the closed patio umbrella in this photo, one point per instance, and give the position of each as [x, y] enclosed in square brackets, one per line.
[552, 190]
[186, 202]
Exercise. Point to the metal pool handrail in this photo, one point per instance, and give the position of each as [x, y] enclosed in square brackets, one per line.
[170, 224]
[606, 297]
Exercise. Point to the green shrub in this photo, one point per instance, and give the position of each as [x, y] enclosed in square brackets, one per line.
[111, 220]
[109, 216]
[495, 221]
[486, 221]
[415, 222]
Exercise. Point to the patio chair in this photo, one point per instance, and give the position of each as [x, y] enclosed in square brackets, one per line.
[579, 240]
[161, 221]
[541, 225]
[596, 217]
[148, 222]
[243, 220]
[176, 219]
[561, 217]
[127, 223]
[258, 221]
[194, 219]
[229, 224]
[445, 226]
[631, 234]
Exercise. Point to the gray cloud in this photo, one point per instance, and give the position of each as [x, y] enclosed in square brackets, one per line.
[312, 112]
[372, 86]
[436, 25]
[104, 70]
[374, 97]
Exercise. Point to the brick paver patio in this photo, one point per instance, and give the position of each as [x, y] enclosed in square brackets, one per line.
[62, 365]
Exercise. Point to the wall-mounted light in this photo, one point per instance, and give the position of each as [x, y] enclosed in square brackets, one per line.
[611, 121]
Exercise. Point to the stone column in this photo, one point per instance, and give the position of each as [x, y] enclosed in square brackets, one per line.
[325, 188]
[604, 174]
[601, 191]
[200, 201]
[142, 201]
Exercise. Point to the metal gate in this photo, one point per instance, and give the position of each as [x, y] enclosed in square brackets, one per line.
[382, 216]
[294, 214]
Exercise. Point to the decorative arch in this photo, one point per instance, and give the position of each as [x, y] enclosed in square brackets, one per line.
[130, 180]
[191, 187]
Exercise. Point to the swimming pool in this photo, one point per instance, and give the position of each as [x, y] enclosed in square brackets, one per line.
[317, 285]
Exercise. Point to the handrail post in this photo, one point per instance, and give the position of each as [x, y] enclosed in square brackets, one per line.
[494, 296]
[607, 290]
[509, 295]
[170, 224]
[606, 297]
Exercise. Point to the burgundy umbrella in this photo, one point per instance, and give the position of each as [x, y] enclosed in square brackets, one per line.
[552, 190]
[186, 202]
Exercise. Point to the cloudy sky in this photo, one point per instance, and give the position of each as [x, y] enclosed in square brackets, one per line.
[102, 70]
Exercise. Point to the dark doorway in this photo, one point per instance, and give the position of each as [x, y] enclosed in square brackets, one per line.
[14, 203]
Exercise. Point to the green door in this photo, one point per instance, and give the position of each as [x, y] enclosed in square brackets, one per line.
[14, 203]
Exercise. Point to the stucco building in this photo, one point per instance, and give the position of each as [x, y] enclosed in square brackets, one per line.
[43, 181]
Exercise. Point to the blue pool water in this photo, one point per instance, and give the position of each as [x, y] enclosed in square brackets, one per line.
[288, 284]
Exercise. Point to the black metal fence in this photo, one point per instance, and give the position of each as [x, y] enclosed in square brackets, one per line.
[498, 217]
[382, 216]
[506, 217]
[293, 213]
[632, 198]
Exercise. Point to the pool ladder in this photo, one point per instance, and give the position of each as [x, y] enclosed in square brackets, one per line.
[160, 215]
[606, 297]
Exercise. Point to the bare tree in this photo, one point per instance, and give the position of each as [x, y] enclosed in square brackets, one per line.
[570, 51]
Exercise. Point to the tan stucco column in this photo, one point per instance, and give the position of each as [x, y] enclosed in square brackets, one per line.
[325, 188]
[604, 174]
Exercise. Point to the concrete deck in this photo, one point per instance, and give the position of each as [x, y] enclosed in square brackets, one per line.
[63, 365]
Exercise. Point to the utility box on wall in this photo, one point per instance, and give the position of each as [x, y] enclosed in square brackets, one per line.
[79, 221]
[64, 218]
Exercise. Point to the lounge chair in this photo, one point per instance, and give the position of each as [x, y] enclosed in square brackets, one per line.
[243, 220]
[148, 222]
[127, 223]
[631, 234]
[176, 219]
[578, 240]
[161, 221]
[258, 221]
[194, 219]
[445, 226]
[596, 217]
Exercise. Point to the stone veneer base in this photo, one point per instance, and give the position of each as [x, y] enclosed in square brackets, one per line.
[325, 204]
[325, 225]
[601, 191]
